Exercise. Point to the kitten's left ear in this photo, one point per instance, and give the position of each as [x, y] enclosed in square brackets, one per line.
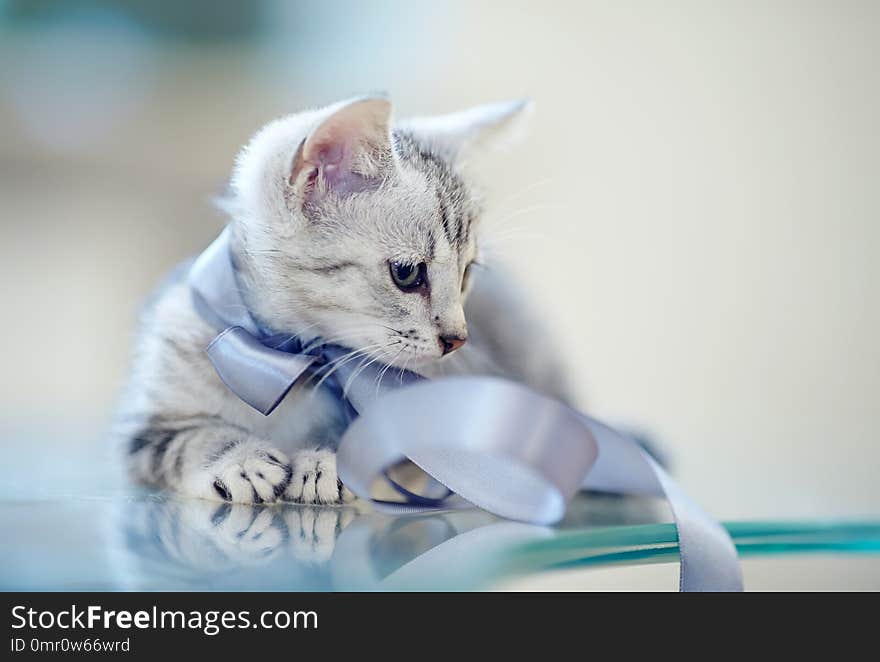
[455, 136]
[347, 151]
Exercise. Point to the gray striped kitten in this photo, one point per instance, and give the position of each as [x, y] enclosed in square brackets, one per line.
[350, 229]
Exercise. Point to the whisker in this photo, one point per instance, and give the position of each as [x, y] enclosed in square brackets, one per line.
[360, 369]
[543, 206]
[340, 361]
[402, 370]
[521, 192]
[334, 339]
[381, 375]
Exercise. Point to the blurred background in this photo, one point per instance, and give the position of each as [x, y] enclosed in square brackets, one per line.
[696, 208]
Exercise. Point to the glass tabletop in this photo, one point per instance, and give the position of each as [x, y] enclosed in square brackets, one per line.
[152, 542]
[78, 525]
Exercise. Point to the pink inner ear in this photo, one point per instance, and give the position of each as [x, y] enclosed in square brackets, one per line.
[333, 163]
[330, 154]
[344, 182]
[342, 143]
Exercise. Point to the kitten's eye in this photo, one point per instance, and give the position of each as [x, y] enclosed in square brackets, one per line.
[408, 277]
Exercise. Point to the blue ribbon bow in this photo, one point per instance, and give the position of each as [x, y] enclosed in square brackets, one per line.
[485, 441]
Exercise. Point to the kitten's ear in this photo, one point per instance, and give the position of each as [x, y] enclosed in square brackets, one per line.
[347, 151]
[457, 135]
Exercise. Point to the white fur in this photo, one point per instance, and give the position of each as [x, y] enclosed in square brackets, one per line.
[322, 202]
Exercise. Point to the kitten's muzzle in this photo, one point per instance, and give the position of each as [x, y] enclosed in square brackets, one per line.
[451, 343]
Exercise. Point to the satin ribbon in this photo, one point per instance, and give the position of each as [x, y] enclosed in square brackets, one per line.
[493, 443]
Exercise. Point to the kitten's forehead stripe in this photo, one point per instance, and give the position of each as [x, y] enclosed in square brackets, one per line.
[444, 218]
[450, 190]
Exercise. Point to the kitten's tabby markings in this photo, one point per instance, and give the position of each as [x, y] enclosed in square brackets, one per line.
[250, 472]
[315, 479]
[325, 204]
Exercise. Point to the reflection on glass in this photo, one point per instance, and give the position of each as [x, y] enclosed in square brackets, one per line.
[153, 542]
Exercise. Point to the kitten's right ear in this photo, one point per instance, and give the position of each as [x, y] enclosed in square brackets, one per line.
[455, 136]
[347, 152]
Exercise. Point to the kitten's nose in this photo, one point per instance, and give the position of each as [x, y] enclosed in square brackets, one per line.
[451, 343]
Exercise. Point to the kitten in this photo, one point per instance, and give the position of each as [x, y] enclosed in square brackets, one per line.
[347, 228]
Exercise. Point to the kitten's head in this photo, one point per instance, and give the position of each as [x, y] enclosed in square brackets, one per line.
[362, 232]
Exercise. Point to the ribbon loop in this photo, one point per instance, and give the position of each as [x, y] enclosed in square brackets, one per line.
[459, 430]
[259, 375]
[491, 442]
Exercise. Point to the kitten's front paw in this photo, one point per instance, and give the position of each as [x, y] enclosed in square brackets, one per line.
[315, 479]
[250, 473]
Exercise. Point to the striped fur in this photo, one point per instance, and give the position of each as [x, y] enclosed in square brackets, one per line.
[323, 202]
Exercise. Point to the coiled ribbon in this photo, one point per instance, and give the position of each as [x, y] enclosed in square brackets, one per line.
[493, 443]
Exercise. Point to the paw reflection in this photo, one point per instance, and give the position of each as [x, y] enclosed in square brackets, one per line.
[171, 544]
[248, 534]
[313, 531]
[204, 541]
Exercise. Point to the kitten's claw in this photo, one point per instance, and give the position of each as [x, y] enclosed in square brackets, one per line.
[250, 473]
[315, 479]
